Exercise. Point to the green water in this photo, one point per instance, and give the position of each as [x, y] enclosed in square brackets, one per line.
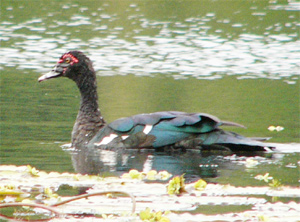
[231, 59]
[38, 117]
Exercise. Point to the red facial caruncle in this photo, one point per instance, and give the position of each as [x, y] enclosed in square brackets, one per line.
[68, 58]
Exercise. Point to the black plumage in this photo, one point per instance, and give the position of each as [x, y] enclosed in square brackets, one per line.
[154, 130]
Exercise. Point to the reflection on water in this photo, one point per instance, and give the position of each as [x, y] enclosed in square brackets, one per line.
[107, 162]
[194, 164]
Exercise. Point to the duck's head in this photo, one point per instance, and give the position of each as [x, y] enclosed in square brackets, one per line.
[74, 65]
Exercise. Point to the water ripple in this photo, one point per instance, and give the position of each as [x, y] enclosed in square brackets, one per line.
[178, 48]
[246, 57]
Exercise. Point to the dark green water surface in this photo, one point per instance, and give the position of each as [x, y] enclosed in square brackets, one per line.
[238, 60]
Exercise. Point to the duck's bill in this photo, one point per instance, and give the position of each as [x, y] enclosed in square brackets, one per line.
[49, 75]
[56, 72]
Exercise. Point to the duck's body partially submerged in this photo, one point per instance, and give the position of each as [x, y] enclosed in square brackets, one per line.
[172, 129]
[154, 130]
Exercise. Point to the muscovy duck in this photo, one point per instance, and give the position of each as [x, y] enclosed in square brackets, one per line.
[154, 130]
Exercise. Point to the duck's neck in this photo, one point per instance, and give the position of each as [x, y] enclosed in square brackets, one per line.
[89, 120]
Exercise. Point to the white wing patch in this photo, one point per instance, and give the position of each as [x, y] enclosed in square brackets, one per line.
[147, 129]
[106, 140]
[124, 137]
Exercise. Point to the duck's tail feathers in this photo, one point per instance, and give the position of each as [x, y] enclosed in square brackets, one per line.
[228, 123]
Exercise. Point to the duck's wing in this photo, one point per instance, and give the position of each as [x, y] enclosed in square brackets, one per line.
[156, 129]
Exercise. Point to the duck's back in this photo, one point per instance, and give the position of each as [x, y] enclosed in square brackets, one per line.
[176, 129]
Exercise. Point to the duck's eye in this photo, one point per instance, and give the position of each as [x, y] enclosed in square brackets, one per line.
[68, 60]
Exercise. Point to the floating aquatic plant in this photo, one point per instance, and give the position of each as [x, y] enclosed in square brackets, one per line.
[151, 175]
[275, 184]
[265, 177]
[9, 190]
[107, 216]
[200, 185]
[40, 189]
[263, 218]
[251, 162]
[164, 175]
[32, 171]
[176, 185]
[275, 128]
[50, 195]
[27, 204]
[152, 216]
[135, 174]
